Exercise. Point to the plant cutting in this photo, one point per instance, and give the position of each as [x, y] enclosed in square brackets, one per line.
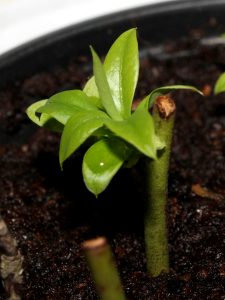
[102, 114]
[156, 189]
[104, 271]
[50, 213]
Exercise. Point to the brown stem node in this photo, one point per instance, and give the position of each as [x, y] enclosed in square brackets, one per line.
[165, 106]
[95, 246]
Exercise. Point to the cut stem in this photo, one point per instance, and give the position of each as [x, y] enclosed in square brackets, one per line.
[11, 262]
[103, 269]
[156, 240]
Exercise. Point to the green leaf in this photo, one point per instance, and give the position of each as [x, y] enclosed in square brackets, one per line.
[74, 98]
[138, 131]
[63, 105]
[97, 102]
[148, 101]
[101, 162]
[90, 88]
[44, 120]
[103, 87]
[78, 128]
[31, 112]
[122, 68]
[220, 84]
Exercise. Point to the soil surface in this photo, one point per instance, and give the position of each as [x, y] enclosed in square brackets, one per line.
[50, 213]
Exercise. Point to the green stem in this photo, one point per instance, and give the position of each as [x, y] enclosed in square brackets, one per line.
[157, 184]
[103, 269]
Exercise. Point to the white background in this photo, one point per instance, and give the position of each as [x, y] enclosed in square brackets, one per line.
[24, 20]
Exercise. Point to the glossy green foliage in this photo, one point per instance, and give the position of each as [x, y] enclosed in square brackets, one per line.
[79, 127]
[102, 161]
[44, 120]
[103, 88]
[131, 130]
[122, 75]
[64, 105]
[121, 67]
[220, 84]
[103, 111]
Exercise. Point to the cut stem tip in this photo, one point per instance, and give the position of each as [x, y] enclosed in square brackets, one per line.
[165, 106]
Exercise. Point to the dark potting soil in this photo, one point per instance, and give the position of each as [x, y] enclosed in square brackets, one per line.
[50, 213]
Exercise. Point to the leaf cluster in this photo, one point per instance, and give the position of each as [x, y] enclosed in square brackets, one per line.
[103, 112]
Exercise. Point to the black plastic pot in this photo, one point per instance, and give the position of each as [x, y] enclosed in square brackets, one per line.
[156, 24]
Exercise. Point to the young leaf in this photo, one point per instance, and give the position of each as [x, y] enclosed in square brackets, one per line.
[44, 120]
[90, 88]
[148, 101]
[75, 98]
[103, 87]
[60, 112]
[31, 112]
[122, 68]
[64, 104]
[78, 128]
[220, 85]
[101, 162]
[138, 130]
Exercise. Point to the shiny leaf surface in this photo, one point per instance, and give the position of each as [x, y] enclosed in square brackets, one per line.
[78, 128]
[101, 162]
[122, 68]
[138, 131]
[103, 87]
[90, 88]
[63, 105]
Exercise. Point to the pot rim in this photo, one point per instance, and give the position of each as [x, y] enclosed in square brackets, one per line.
[23, 21]
[102, 21]
[155, 23]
